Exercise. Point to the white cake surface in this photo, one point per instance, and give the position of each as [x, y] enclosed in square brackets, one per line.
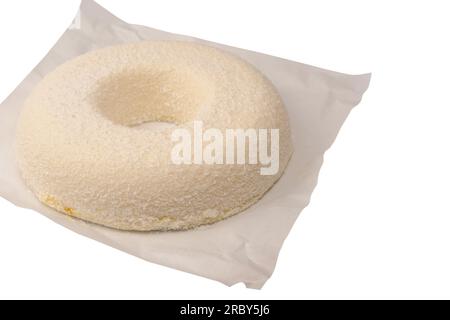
[82, 150]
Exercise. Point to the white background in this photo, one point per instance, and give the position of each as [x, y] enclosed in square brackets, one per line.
[378, 225]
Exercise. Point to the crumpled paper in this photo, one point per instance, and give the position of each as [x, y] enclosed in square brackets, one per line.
[245, 247]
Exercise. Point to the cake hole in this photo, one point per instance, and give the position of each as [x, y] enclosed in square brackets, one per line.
[152, 99]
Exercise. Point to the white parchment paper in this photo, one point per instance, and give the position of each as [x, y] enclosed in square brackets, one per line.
[245, 247]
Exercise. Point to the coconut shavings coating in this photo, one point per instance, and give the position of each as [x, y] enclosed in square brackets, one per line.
[82, 148]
